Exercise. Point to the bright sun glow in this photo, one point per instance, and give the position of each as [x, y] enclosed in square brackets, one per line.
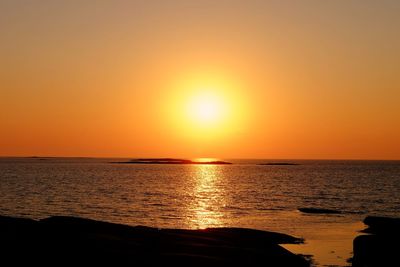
[206, 107]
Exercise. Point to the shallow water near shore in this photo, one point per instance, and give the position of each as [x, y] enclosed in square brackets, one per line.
[330, 244]
[244, 194]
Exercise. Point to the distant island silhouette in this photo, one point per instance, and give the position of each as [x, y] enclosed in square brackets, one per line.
[279, 163]
[171, 161]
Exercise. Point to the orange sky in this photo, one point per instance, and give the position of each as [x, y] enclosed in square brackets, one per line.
[295, 79]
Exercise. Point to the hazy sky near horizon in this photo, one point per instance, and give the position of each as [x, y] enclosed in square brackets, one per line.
[299, 79]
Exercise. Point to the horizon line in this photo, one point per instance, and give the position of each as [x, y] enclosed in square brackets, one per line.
[266, 158]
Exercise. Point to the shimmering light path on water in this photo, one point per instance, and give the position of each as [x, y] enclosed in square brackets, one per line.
[199, 196]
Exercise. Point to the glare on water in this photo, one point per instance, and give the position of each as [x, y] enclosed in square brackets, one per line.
[208, 197]
[201, 196]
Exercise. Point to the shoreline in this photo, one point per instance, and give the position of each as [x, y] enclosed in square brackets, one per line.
[73, 240]
[95, 241]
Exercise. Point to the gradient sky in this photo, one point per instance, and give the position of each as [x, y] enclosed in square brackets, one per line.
[303, 79]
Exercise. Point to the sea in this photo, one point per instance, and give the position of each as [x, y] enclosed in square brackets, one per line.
[244, 194]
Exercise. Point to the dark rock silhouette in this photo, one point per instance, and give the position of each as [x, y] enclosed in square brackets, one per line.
[382, 225]
[381, 246]
[73, 241]
[319, 211]
[171, 161]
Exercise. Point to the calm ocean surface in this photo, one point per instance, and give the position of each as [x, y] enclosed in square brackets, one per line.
[199, 196]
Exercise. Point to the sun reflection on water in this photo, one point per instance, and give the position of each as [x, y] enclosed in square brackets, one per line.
[208, 197]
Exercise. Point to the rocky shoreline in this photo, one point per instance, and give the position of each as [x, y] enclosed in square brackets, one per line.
[379, 247]
[60, 240]
[74, 241]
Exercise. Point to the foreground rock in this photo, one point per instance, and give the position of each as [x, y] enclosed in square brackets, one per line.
[60, 241]
[381, 246]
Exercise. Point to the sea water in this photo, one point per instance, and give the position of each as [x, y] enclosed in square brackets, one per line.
[243, 194]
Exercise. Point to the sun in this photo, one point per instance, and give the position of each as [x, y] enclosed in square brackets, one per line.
[207, 110]
[206, 107]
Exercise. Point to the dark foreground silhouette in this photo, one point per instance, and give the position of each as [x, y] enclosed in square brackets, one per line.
[380, 247]
[61, 241]
[172, 161]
